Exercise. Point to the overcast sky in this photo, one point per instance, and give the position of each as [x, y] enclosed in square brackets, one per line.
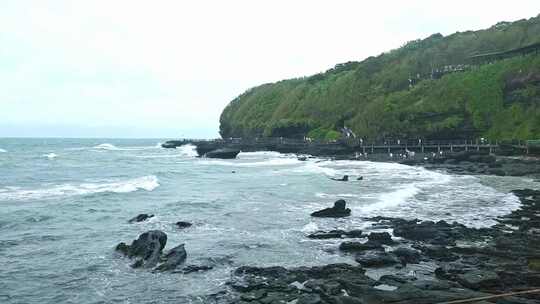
[168, 68]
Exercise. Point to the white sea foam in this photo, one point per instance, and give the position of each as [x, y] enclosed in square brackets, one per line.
[265, 163]
[326, 195]
[111, 147]
[310, 227]
[106, 147]
[316, 168]
[251, 155]
[3, 151]
[147, 183]
[50, 155]
[188, 150]
[392, 199]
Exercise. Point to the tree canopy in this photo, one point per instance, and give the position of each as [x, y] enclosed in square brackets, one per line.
[426, 88]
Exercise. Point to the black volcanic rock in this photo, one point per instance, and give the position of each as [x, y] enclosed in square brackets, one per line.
[376, 259]
[140, 218]
[465, 263]
[407, 256]
[357, 246]
[381, 237]
[183, 225]
[173, 258]
[147, 251]
[225, 153]
[146, 248]
[338, 210]
[335, 234]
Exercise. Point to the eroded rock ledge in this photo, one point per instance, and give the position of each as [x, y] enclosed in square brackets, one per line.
[422, 262]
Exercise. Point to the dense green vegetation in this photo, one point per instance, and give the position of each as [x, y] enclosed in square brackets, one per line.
[500, 100]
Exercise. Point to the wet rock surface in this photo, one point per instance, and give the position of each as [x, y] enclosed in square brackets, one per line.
[140, 218]
[225, 153]
[336, 234]
[339, 210]
[475, 162]
[183, 225]
[425, 262]
[147, 252]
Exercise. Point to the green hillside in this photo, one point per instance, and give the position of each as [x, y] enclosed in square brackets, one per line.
[427, 88]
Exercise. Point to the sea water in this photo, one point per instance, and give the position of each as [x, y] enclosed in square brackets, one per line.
[65, 205]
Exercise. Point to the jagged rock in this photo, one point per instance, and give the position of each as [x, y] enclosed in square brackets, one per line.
[357, 246]
[478, 279]
[140, 218]
[335, 234]
[407, 256]
[225, 153]
[196, 268]
[183, 225]
[439, 253]
[147, 251]
[146, 248]
[338, 210]
[381, 237]
[173, 258]
[376, 259]
[345, 178]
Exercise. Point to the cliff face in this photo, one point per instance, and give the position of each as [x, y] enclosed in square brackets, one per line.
[431, 88]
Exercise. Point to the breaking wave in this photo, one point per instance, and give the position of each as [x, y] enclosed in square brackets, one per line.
[111, 147]
[147, 183]
[265, 163]
[50, 155]
[188, 150]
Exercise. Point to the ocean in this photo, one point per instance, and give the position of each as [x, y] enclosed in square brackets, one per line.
[65, 205]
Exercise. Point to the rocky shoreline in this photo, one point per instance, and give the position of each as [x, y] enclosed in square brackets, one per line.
[424, 261]
[413, 261]
[501, 162]
[479, 163]
[409, 261]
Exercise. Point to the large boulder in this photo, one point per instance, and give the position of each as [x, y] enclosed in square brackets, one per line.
[407, 255]
[381, 237]
[376, 259]
[173, 258]
[338, 210]
[147, 251]
[357, 246]
[225, 153]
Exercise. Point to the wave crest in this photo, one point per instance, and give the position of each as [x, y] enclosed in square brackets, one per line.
[188, 150]
[147, 183]
[50, 155]
[106, 146]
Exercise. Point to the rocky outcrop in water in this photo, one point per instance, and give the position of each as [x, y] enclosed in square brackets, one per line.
[140, 218]
[335, 234]
[147, 251]
[224, 153]
[183, 225]
[338, 210]
[173, 258]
